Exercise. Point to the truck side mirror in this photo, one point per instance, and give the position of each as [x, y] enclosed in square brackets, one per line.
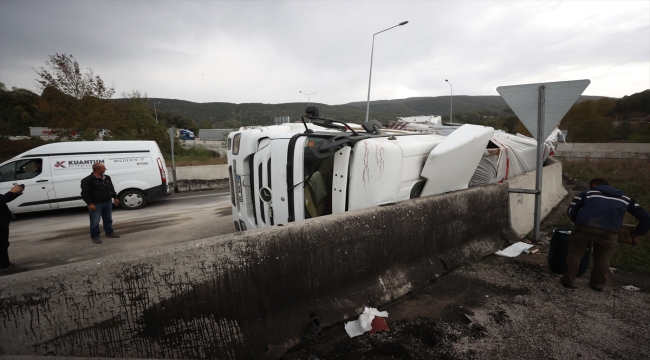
[372, 126]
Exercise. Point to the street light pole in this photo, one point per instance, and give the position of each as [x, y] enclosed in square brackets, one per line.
[371, 54]
[155, 111]
[451, 101]
[307, 96]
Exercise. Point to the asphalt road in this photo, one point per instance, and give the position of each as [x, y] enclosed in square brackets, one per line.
[49, 238]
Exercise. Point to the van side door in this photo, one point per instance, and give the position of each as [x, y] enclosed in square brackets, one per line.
[67, 172]
[35, 173]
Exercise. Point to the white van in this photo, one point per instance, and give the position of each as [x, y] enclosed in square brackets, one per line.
[52, 173]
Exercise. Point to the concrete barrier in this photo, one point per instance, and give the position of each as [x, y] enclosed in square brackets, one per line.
[603, 150]
[522, 206]
[214, 145]
[229, 297]
[204, 177]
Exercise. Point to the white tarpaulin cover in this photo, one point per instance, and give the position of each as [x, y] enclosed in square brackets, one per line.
[507, 155]
[510, 156]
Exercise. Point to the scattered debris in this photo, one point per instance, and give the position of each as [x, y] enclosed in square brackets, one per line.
[379, 324]
[631, 288]
[366, 323]
[500, 316]
[514, 250]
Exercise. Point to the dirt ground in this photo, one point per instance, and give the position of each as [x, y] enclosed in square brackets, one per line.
[504, 308]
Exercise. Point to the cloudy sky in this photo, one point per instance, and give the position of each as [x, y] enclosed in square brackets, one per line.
[268, 51]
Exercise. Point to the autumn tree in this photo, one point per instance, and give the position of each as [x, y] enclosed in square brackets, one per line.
[65, 75]
[205, 124]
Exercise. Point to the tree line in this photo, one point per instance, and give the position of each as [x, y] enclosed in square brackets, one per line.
[77, 103]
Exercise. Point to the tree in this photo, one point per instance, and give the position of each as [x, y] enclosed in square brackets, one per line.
[586, 121]
[65, 75]
[205, 124]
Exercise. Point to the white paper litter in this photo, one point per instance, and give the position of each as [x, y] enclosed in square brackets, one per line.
[353, 328]
[365, 319]
[364, 323]
[631, 288]
[514, 249]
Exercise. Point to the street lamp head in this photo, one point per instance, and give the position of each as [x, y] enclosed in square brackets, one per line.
[403, 23]
[446, 80]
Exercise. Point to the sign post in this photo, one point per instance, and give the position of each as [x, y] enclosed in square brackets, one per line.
[540, 107]
[172, 134]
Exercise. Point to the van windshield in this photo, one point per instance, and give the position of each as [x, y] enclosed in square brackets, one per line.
[317, 177]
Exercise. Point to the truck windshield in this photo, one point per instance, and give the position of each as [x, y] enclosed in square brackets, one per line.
[317, 180]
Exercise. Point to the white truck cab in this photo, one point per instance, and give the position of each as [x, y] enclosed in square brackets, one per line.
[290, 172]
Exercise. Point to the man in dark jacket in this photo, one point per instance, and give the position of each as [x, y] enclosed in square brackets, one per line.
[5, 219]
[598, 214]
[98, 192]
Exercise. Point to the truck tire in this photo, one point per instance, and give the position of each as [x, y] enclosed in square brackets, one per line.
[132, 199]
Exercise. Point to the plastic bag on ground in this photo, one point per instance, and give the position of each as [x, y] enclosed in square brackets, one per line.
[364, 323]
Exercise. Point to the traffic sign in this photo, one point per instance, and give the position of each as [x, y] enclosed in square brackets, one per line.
[559, 97]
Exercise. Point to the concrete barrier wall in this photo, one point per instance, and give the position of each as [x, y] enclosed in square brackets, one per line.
[215, 145]
[205, 177]
[228, 297]
[603, 150]
[522, 206]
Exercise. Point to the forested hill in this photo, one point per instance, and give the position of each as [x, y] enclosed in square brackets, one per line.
[228, 115]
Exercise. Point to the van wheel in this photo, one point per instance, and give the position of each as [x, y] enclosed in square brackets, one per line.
[133, 199]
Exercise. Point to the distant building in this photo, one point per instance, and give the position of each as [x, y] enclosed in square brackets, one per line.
[422, 119]
[214, 134]
[281, 120]
[46, 133]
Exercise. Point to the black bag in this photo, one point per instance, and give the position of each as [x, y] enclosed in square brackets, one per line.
[559, 249]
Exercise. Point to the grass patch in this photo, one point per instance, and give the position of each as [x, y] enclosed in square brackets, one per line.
[195, 157]
[632, 176]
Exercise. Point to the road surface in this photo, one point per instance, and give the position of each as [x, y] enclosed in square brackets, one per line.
[50, 238]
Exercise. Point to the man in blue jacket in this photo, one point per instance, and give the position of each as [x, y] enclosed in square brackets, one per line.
[598, 214]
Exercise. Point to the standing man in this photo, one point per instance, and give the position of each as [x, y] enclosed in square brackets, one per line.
[5, 219]
[98, 192]
[598, 215]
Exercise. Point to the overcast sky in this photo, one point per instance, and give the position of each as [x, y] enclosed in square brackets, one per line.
[268, 51]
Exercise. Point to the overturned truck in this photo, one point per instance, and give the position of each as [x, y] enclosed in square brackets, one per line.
[291, 172]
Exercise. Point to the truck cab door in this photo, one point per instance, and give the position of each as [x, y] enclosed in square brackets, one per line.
[36, 175]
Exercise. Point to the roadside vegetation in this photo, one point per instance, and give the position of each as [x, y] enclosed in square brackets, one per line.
[194, 157]
[633, 177]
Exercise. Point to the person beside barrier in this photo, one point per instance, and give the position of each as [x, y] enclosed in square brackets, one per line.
[598, 215]
[5, 219]
[98, 192]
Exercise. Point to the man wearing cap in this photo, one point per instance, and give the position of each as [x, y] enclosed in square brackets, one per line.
[98, 192]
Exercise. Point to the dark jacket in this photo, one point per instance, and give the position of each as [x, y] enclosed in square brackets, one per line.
[5, 214]
[604, 207]
[97, 190]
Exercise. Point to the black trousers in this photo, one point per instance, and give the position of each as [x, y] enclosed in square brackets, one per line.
[4, 246]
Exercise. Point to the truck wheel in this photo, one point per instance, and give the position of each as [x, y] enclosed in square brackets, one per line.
[133, 199]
